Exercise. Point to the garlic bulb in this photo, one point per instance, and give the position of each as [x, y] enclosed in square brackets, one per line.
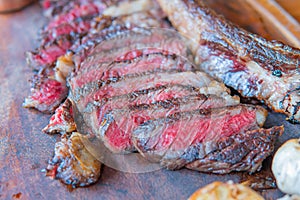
[286, 167]
[225, 191]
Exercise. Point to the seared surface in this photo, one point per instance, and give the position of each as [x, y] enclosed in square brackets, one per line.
[72, 163]
[267, 70]
[235, 152]
[166, 140]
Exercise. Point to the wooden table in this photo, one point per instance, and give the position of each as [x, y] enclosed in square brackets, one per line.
[25, 150]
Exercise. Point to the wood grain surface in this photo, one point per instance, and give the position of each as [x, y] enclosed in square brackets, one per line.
[25, 150]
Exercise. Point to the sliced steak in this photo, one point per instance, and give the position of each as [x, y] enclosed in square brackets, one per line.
[46, 92]
[73, 30]
[116, 127]
[62, 121]
[77, 22]
[62, 38]
[77, 10]
[96, 92]
[170, 140]
[116, 69]
[267, 70]
[54, 8]
[240, 152]
[107, 45]
[96, 110]
[47, 54]
[48, 88]
[133, 88]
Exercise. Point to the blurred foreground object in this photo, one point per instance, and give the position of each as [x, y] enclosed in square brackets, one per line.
[13, 5]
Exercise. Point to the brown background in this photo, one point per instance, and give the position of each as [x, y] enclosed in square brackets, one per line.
[25, 150]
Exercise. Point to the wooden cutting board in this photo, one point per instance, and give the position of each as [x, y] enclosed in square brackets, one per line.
[25, 150]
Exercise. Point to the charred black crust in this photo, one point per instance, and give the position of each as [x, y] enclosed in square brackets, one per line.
[279, 57]
[244, 151]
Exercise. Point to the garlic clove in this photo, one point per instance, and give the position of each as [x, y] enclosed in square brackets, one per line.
[286, 167]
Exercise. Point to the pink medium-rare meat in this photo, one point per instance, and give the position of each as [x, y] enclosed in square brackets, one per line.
[108, 45]
[116, 126]
[57, 46]
[267, 70]
[115, 70]
[62, 30]
[54, 9]
[46, 92]
[138, 44]
[95, 110]
[234, 153]
[83, 19]
[96, 92]
[78, 10]
[150, 96]
[62, 121]
[167, 140]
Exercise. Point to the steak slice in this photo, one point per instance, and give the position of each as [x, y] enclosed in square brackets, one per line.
[46, 92]
[171, 140]
[77, 10]
[62, 121]
[117, 125]
[49, 88]
[115, 70]
[150, 96]
[64, 32]
[47, 54]
[96, 110]
[267, 70]
[240, 152]
[108, 44]
[53, 8]
[96, 92]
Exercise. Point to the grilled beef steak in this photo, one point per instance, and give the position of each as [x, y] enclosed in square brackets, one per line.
[167, 140]
[267, 70]
[77, 28]
[133, 89]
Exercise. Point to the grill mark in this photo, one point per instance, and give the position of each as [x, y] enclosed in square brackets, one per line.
[204, 112]
[157, 124]
[135, 94]
[169, 103]
[133, 116]
[136, 97]
[92, 87]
